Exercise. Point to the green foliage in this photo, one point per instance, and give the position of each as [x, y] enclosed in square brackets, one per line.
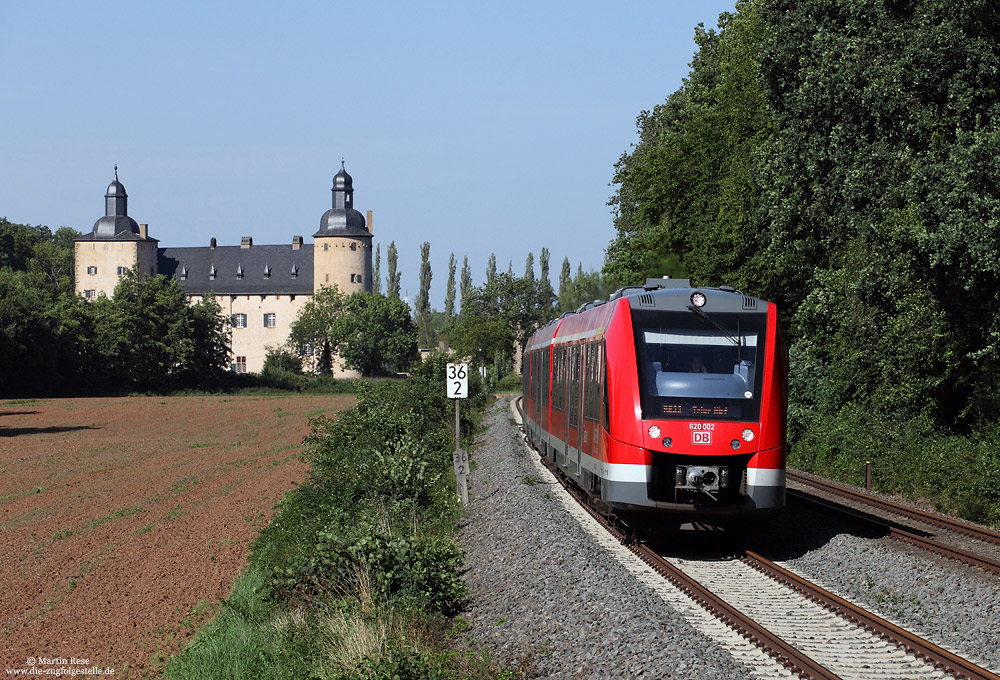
[316, 326]
[687, 191]
[449, 298]
[376, 334]
[504, 311]
[149, 336]
[393, 281]
[839, 158]
[511, 382]
[351, 577]
[373, 333]
[423, 302]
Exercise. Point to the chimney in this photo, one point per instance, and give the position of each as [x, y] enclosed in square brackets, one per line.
[144, 230]
[246, 242]
[296, 242]
[370, 229]
[211, 244]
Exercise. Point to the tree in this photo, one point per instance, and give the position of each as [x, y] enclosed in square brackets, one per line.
[392, 283]
[529, 269]
[423, 304]
[491, 267]
[510, 300]
[449, 299]
[376, 334]
[315, 326]
[466, 282]
[156, 337]
[565, 281]
[687, 197]
[377, 278]
[546, 296]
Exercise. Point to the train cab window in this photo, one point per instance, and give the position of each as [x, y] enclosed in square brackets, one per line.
[689, 368]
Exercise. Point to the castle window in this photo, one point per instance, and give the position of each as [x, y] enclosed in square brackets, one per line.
[91, 270]
[270, 320]
[239, 320]
[354, 246]
[325, 246]
[122, 270]
[240, 366]
[91, 293]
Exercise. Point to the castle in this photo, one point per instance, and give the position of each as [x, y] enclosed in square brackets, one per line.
[261, 287]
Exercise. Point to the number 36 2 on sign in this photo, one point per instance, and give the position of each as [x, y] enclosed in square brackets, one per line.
[458, 381]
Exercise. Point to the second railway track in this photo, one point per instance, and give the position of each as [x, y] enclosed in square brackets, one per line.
[946, 536]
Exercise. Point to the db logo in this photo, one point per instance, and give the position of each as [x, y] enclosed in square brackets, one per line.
[701, 437]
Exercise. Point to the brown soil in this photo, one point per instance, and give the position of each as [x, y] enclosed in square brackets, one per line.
[124, 520]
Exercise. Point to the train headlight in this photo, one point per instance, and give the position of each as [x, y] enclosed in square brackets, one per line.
[748, 435]
[735, 444]
[698, 299]
[654, 431]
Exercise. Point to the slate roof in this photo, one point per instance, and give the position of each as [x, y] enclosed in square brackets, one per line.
[257, 270]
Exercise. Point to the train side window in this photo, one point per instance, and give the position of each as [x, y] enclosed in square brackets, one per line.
[558, 378]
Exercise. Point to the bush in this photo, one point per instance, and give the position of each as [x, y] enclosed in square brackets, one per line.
[512, 382]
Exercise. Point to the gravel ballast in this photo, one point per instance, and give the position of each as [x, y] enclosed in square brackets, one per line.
[541, 590]
[543, 593]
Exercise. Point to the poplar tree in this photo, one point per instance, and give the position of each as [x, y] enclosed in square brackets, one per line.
[423, 297]
[466, 282]
[529, 269]
[377, 278]
[392, 284]
[491, 268]
[449, 298]
[565, 281]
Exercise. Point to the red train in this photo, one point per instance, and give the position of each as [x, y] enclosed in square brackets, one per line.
[666, 398]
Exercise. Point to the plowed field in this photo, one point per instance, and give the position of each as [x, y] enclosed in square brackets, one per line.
[124, 520]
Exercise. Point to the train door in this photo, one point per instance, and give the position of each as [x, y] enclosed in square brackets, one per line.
[545, 372]
[573, 407]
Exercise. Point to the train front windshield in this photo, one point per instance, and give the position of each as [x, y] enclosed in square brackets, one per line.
[691, 369]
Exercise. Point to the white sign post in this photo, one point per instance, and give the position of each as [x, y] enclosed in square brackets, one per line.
[457, 379]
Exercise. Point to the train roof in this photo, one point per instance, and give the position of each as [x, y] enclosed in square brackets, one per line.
[667, 293]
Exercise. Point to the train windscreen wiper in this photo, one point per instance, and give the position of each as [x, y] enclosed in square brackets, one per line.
[735, 339]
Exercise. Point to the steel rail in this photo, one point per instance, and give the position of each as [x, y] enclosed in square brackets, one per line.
[774, 646]
[941, 658]
[782, 652]
[980, 533]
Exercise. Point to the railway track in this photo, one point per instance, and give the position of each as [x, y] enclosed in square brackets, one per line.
[810, 631]
[951, 538]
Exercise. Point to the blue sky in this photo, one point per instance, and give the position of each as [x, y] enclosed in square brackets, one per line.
[479, 127]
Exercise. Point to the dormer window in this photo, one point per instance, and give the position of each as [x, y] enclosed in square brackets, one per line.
[212, 272]
[295, 271]
[184, 273]
[239, 271]
[267, 271]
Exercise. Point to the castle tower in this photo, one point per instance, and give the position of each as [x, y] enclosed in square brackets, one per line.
[343, 244]
[115, 245]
